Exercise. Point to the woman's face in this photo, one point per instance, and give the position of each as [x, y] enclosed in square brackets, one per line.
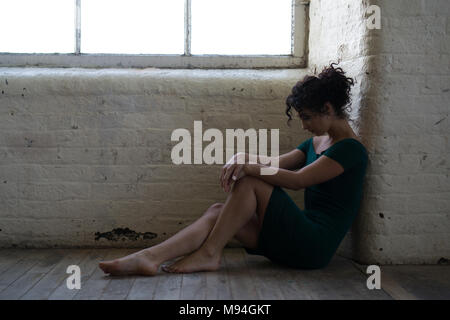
[317, 124]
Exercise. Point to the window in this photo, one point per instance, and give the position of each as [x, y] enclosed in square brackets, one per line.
[153, 33]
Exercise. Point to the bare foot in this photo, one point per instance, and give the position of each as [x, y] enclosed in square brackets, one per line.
[141, 263]
[196, 261]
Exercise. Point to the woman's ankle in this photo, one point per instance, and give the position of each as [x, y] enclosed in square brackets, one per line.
[154, 255]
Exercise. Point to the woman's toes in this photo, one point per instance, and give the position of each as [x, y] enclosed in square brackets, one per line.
[166, 268]
[105, 266]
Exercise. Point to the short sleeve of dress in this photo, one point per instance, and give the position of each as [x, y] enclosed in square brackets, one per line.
[348, 153]
[304, 146]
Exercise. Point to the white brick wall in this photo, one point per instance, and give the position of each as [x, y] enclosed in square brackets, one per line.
[86, 151]
[403, 120]
[410, 117]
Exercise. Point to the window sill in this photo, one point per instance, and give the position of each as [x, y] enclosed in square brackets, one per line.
[262, 83]
[148, 61]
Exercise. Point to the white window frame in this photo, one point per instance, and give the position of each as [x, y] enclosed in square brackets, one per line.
[297, 58]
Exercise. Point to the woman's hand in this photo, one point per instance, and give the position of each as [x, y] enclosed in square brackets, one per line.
[233, 171]
[233, 174]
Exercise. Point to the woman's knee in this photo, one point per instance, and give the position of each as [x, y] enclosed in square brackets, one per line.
[245, 182]
[214, 210]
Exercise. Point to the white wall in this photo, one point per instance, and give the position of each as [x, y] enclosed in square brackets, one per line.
[402, 106]
[406, 125]
[86, 151]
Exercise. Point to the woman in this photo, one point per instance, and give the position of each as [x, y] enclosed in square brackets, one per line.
[259, 213]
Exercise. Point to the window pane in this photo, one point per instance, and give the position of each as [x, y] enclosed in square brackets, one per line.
[241, 27]
[132, 26]
[31, 26]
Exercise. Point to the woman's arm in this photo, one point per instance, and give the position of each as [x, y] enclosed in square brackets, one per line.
[292, 160]
[321, 170]
[283, 178]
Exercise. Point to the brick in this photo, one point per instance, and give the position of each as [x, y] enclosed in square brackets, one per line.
[180, 190]
[46, 173]
[420, 203]
[26, 155]
[110, 156]
[437, 8]
[403, 8]
[396, 163]
[53, 191]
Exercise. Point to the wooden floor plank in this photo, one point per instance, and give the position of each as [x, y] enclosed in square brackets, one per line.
[41, 274]
[266, 276]
[360, 286]
[87, 266]
[193, 286]
[47, 284]
[241, 285]
[291, 283]
[45, 263]
[412, 282]
[296, 285]
[28, 258]
[326, 283]
[339, 280]
[395, 289]
[144, 287]
[217, 286]
[329, 283]
[97, 281]
[388, 284]
[8, 257]
[93, 286]
[119, 286]
[169, 285]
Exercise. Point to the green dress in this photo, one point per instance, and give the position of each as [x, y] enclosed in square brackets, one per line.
[308, 239]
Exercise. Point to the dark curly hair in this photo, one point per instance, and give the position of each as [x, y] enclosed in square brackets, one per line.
[311, 93]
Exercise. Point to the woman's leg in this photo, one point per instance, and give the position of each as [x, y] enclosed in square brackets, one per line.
[184, 242]
[249, 194]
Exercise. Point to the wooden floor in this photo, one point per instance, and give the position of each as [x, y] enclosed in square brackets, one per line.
[41, 274]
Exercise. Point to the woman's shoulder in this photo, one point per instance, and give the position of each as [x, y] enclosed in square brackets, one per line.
[354, 148]
[349, 145]
[323, 142]
[349, 152]
[357, 141]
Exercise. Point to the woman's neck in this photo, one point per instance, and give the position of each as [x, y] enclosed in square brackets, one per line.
[340, 129]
